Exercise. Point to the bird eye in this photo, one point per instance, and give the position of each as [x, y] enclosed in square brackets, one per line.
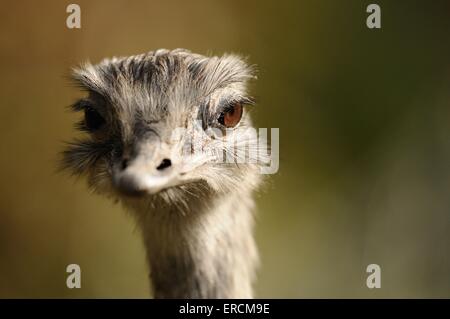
[231, 116]
[93, 119]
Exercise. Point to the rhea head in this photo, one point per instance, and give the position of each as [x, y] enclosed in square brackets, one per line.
[165, 124]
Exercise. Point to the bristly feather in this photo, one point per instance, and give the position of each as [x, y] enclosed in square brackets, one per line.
[81, 155]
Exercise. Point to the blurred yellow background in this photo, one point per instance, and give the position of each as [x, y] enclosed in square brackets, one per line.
[365, 149]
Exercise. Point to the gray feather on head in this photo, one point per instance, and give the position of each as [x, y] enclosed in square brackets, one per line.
[156, 125]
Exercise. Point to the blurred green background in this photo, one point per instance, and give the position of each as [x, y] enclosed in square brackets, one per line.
[365, 151]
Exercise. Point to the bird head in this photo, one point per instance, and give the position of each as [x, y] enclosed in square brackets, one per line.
[165, 123]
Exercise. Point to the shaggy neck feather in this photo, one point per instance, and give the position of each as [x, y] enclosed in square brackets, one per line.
[207, 252]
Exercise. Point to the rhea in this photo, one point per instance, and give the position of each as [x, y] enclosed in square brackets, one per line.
[166, 135]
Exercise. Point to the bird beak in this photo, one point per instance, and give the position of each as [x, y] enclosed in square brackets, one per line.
[147, 173]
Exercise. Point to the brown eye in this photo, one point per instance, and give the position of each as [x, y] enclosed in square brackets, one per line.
[93, 119]
[231, 116]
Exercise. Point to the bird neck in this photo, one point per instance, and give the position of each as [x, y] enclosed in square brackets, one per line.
[206, 252]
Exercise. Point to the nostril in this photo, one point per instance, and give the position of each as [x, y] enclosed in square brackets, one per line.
[124, 163]
[164, 164]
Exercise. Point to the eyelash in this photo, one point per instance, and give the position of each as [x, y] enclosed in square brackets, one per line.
[81, 105]
[227, 105]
